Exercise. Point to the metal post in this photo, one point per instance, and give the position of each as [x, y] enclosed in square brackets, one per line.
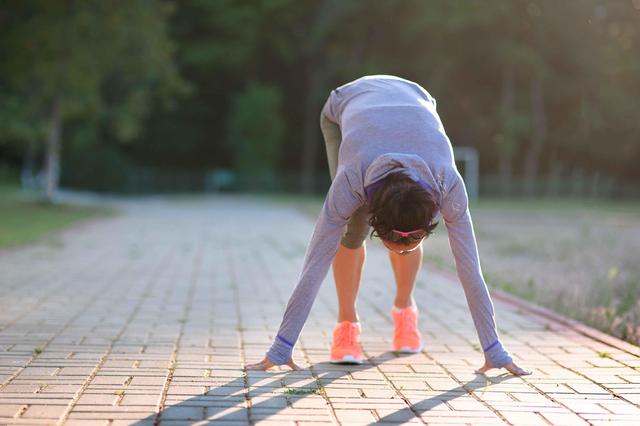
[469, 156]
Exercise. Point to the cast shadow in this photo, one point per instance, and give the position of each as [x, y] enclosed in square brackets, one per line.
[219, 404]
[419, 408]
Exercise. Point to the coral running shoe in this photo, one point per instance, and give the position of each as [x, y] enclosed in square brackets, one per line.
[406, 337]
[345, 348]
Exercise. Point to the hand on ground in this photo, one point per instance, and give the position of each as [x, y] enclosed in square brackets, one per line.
[511, 367]
[266, 364]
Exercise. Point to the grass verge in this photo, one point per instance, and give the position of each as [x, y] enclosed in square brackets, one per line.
[24, 218]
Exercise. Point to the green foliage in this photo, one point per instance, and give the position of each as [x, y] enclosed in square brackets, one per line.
[20, 119]
[256, 129]
[113, 65]
[103, 62]
[95, 166]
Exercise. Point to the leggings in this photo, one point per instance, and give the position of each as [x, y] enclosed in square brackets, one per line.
[358, 226]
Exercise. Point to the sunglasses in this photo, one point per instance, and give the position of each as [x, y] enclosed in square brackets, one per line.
[413, 236]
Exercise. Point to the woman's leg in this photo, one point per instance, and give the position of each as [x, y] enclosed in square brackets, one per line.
[347, 269]
[349, 260]
[405, 268]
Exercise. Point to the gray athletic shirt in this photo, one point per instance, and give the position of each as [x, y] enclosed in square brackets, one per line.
[388, 125]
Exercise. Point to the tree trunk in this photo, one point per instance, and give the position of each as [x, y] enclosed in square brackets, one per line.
[52, 150]
[539, 133]
[506, 143]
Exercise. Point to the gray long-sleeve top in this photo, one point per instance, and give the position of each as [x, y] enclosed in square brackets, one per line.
[389, 124]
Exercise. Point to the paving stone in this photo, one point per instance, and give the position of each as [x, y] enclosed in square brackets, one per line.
[44, 411]
[162, 305]
[183, 413]
[8, 410]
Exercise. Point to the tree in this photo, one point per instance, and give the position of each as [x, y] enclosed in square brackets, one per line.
[255, 130]
[93, 60]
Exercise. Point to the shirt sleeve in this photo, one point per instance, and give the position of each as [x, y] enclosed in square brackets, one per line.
[457, 218]
[339, 205]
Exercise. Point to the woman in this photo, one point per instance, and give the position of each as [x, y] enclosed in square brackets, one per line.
[392, 168]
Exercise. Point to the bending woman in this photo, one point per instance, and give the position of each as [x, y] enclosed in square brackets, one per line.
[392, 169]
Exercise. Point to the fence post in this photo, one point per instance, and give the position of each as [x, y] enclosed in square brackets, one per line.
[469, 156]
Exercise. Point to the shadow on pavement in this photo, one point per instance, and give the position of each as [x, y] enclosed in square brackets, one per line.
[421, 407]
[218, 404]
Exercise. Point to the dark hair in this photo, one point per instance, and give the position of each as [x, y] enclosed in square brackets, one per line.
[403, 204]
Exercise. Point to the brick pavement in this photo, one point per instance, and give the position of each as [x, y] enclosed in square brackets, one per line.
[147, 318]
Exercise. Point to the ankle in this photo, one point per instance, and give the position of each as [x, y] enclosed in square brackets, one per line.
[351, 317]
[399, 307]
[403, 304]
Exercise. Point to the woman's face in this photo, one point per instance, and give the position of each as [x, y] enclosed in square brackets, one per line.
[401, 248]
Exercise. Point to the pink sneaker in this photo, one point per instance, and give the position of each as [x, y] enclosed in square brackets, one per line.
[345, 348]
[406, 337]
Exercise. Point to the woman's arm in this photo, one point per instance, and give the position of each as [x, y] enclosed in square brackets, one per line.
[339, 204]
[320, 252]
[462, 240]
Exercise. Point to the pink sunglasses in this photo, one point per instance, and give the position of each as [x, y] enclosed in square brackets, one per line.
[406, 234]
[415, 235]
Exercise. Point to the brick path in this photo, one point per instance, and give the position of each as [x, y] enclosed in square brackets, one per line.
[157, 310]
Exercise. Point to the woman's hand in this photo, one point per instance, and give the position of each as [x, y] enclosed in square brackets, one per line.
[512, 367]
[266, 364]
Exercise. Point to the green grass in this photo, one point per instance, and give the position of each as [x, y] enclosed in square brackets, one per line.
[556, 205]
[25, 218]
[304, 391]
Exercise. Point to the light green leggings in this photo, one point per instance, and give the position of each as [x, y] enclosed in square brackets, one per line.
[358, 227]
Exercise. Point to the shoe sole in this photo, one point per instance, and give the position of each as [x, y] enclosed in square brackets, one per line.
[347, 359]
[408, 350]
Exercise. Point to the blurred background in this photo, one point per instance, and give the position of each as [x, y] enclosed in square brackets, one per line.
[146, 96]
[155, 96]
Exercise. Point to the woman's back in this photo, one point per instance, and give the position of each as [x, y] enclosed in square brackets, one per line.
[380, 114]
